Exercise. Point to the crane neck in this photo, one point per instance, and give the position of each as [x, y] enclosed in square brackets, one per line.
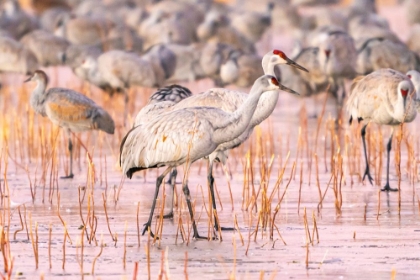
[268, 66]
[265, 107]
[239, 120]
[38, 97]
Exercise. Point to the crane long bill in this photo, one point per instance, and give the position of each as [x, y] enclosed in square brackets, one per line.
[28, 79]
[294, 64]
[286, 89]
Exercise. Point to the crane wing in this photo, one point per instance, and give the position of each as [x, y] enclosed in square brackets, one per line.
[69, 108]
[170, 139]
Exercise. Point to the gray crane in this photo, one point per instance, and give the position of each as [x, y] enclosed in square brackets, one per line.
[228, 101]
[186, 135]
[385, 97]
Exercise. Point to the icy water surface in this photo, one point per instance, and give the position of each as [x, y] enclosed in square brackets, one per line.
[300, 208]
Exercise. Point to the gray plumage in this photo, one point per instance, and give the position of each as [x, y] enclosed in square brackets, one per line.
[15, 57]
[47, 48]
[385, 97]
[172, 93]
[176, 137]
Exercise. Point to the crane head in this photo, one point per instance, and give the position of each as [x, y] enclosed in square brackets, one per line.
[279, 57]
[38, 75]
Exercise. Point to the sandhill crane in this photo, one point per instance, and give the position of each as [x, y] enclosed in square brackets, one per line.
[252, 24]
[76, 56]
[161, 100]
[414, 76]
[68, 109]
[117, 71]
[412, 10]
[384, 97]
[377, 53]
[82, 30]
[413, 41]
[172, 93]
[229, 101]
[306, 83]
[15, 20]
[338, 58]
[15, 57]
[186, 135]
[47, 48]
[216, 29]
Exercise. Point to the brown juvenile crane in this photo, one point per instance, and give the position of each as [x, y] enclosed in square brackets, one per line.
[68, 109]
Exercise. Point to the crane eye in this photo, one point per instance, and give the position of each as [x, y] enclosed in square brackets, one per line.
[274, 81]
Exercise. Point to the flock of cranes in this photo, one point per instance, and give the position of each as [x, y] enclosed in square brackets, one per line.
[116, 46]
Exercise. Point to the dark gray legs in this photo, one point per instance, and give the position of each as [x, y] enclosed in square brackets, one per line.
[367, 173]
[388, 150]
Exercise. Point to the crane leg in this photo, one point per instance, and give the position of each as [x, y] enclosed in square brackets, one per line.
[171, 181]
[388, 150]
[70, 147]
[210, 179]
[186, 191]
[152, 210]
[367, 173]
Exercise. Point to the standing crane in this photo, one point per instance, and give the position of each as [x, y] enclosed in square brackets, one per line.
[68, 109]
[230, 101]
[184, 136]
[385, 97]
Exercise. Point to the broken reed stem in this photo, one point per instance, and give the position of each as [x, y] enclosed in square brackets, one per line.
[317, 178]
[315, 229]
[240, 235]
[249, 233]
[64, 247]
[186, 265]
[82, 246]
[88, 156]
[147, 249]
[136, 269]
[138, 225]
[379, 204]
[34, 241]
[98, 255]
[300, 184]
[114, 238]
[320, 119]
[276, 210]
[218, 222]
[281, 237]
[307, 232]
[326, 189]
[49, 244]
[21, 223]
[80, 212]
[398, 151]
[125, 245]
[61, 219]
[225, 170]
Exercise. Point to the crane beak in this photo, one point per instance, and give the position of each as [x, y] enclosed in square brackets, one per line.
[286, 89]
[28, 79]
[294, 64]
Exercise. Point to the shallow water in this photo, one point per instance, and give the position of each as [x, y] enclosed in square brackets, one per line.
[362, 233]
